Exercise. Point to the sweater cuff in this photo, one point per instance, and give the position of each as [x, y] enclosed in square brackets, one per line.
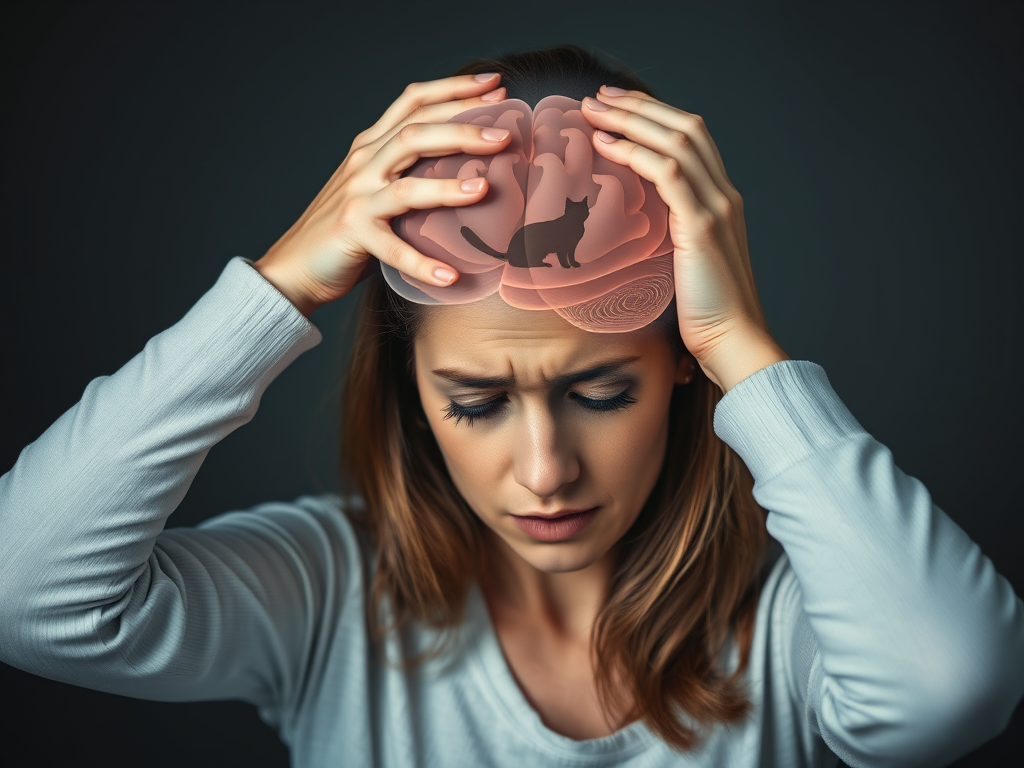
[780, 414]
[244, 323]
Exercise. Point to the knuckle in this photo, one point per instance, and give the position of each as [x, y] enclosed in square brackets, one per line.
[401, 187]
[361, 154]
[681, 140]
[631, 118]
[725, 209]
[698, 121]
[349, 210]
[412, 88]
[636, 104]
[672, 168]
[409, 132]
[395, 255]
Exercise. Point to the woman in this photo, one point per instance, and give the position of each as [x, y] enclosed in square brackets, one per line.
[557, 548]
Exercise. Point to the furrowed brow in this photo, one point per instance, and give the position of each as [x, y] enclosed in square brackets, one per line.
[493, 382]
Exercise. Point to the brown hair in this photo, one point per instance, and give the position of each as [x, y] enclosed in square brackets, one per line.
[688, 572]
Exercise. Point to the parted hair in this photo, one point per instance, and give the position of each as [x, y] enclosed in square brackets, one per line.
[688, 571]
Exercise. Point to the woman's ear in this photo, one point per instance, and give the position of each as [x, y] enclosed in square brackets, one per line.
[686, 369]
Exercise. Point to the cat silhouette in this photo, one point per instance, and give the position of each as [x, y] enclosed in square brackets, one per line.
[559, 236]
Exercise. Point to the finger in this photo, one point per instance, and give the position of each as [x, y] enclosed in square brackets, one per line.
[697, 119]
[410, 193]
[664, 172]
[440, 113]
[691, 125]
[701, 129]
[430, 92]
[405, 194]
[393, 250]
[416, 140]
[701, 125]
[674, 146]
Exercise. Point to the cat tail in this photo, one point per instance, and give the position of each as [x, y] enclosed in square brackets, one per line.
[480, 245]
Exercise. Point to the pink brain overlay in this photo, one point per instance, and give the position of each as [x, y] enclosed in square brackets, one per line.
[560, 228]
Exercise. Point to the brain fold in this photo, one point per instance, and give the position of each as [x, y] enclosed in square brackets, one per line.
[561, 227]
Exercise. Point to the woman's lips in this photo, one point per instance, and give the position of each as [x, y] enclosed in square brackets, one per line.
[554, 528]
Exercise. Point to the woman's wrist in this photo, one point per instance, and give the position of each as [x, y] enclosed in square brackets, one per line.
[283, 280]
[742, 355]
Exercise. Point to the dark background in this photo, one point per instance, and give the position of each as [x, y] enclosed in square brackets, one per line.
[877, 149]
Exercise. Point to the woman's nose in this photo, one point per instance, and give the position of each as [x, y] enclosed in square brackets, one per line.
[545, 456]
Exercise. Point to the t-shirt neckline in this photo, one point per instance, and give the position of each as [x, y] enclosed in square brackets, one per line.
[495, 678]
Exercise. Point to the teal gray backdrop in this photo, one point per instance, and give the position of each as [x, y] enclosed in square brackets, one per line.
[877, 148]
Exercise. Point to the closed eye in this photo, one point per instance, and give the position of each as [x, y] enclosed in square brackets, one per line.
[491, 408]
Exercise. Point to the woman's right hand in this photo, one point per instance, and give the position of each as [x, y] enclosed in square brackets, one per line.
[325, 253]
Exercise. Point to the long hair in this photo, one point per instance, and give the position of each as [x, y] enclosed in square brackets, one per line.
[689, 565]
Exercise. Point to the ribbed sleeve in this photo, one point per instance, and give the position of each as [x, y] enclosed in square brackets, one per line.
[908, 649]
[883, 632]
[94, 592]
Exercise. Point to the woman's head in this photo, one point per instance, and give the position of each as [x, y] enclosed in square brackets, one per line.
[676, 516]
[533, 416]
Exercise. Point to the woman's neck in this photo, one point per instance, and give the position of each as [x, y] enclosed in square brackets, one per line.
[566, 603]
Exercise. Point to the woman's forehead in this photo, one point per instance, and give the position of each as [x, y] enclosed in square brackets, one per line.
[492, 317]
[492, 338]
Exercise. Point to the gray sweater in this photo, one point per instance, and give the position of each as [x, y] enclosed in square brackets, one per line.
[883, 634]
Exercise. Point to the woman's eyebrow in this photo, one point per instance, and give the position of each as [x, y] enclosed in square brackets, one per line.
[465, 380]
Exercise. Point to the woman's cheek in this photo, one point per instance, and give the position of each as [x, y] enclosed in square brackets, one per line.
[636, 452]
[463, 453]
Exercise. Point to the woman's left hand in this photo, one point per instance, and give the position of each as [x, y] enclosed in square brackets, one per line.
[720, 316]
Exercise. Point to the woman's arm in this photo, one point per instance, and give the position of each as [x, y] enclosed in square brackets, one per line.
[920, 641]
[94, 592]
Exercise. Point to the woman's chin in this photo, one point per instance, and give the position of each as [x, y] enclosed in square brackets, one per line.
[561, 557]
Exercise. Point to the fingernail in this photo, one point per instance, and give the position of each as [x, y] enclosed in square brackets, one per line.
[443, 276]
[611, 90]
[472, 185]
[494, 134]
[493, 95]
[606, 138]
[483, 77]
[596, 105]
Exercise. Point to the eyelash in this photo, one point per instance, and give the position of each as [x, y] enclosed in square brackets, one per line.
[486, 410]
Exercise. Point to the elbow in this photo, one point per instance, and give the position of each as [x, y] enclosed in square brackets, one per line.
[889, 735]
[32, 632]
[986, 701]
[966, 682]
[993, 682]
[947, 708]
[16, 625]
[46, 626]
[970, 698]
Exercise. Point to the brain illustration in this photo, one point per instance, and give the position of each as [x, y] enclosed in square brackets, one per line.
[560, 228]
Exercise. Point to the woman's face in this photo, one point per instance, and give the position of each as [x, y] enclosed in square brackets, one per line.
[543, 439]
